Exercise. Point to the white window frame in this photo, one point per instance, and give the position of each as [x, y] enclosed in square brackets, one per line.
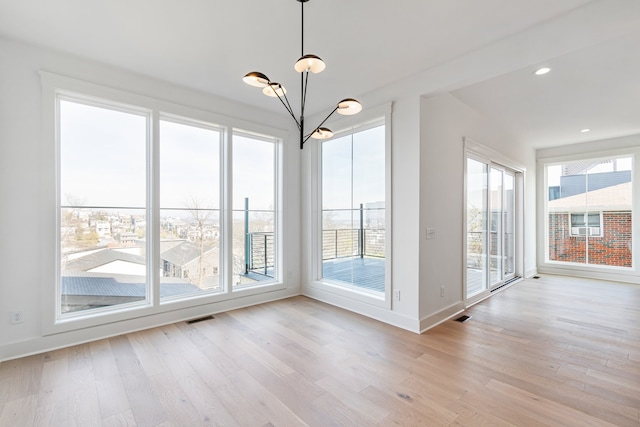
[54, 86]
[576, 152]
[366, 120]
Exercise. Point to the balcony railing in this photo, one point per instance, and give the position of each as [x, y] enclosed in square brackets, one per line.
[261, 253]
[350, 242]
[364, 238]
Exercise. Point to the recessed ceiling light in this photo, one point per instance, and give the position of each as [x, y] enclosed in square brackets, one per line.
[585, 130]
[541, 71]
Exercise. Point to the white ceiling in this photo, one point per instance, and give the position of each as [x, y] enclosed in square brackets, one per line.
[209, 45]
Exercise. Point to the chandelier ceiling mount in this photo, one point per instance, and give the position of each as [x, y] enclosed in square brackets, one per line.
[307, 63]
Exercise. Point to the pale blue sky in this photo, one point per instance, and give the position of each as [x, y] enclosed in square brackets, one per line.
[103, 162]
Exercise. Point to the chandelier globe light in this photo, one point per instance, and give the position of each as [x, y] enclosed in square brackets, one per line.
[307, 63]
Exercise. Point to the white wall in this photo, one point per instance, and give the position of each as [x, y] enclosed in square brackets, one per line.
[444, 122]
[23, 214]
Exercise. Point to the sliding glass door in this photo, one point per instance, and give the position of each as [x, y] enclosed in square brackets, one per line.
[491, 226]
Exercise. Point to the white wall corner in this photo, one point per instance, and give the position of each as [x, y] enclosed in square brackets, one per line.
[443, 315]
[379, 313]
[530, 273]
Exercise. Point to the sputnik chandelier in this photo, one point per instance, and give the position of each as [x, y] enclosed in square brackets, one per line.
[304, 65]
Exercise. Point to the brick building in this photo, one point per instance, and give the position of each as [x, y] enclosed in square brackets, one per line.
[592, 227]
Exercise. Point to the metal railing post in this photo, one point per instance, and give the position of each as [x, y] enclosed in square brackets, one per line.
[247, 248]
[361, 239]
[265, 254]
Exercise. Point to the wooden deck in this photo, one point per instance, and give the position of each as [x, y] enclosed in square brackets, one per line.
[367, 273]
[548, 352]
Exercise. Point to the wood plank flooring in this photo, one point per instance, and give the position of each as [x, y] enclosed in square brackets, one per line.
[548, 352]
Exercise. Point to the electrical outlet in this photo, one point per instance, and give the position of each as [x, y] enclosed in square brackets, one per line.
[442, 291]
[16, 317]
[396, 295]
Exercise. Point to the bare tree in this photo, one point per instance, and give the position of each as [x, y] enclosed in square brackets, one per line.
[201, 216]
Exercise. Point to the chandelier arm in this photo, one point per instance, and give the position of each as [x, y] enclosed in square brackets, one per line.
[325, 119]
[287, 107]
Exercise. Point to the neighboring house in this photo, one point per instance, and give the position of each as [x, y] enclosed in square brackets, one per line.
[189, 261]
[127, 238]
[592, 227]
[103, 228]
[108, 276]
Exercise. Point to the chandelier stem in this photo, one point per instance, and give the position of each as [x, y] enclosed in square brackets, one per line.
[304, 84]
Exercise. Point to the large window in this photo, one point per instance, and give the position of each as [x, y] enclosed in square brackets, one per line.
[353, 210]
[158, 208]
[589, 212]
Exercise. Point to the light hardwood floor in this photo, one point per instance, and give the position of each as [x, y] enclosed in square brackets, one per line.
[547, 352]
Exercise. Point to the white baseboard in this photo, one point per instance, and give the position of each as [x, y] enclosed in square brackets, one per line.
[435, 319]
[375, 312]
[66, 339]
[530, 273]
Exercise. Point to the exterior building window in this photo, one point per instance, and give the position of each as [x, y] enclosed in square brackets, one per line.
[586, 224]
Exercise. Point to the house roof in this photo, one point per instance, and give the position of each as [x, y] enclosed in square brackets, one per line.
[184, 252]
[614, 198]
[109, 285]
[102, 257]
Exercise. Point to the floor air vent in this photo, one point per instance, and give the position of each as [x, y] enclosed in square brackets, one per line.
[463, 318]
[507, 283]
[513, 279]
[201, 319]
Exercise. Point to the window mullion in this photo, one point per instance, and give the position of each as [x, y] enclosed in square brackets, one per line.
[226, 213]
[153, 207]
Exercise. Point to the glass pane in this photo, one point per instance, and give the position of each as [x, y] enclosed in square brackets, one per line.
[353, 210]
[477, 183]
[254, 252]
[509, 224]
[495, 241]
[103, 223]
[189, 214]
[368, 169]
[608, 231]
[337, 158]
[590, 210]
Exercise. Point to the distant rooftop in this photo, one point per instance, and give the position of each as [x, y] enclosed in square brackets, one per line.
[614, 198]
[108, 285]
